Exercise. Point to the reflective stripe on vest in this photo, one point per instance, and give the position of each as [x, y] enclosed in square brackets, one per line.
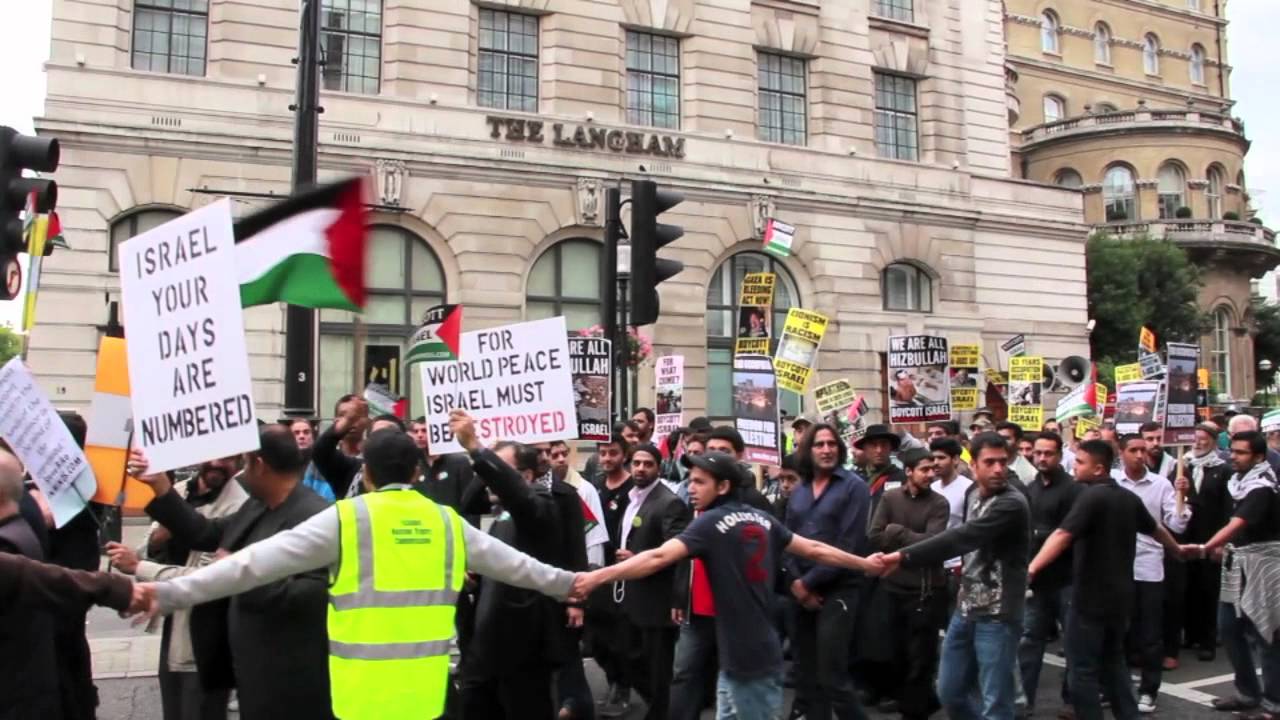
[389, 651]
[366, 596]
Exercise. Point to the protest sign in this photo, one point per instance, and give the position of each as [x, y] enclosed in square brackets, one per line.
[1085, 424]
[669, 382]
[1150, 366]
[1128, 373]
[1015, 346]
[1162, 398]
[996, 377]
[1147, 341]
[1180, 403]
[106, 443]
[755, 408]
[919, 388]
[1135, 405]
[43, 443]
[778, 237]
[188, 367]
[1100, 399]
[436, 339]
[590, 362]
[1025, 376]
[1081, 401]
[964, 377]
[755, 313]
[798, 349]
[515, 380]
[841, 407]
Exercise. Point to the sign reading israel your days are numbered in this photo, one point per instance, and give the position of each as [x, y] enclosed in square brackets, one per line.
[188, 367]
[515, 380]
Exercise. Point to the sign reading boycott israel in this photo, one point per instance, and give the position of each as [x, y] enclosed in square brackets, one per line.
[515, 380]
[188, 367]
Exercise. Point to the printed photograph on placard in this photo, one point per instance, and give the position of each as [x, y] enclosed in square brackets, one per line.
[1025, 406]
[1136, 404]
[755, 310]
[798, 350]
[755, 408]
[589, 360]
[964, 377]
[919, 382]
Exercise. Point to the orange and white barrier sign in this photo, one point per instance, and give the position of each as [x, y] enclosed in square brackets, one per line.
[111, 428]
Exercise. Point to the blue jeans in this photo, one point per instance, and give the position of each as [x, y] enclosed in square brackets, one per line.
[695, 660]
[758, 699]
[1238, 634]
[1096, 666]
[1044, 610]
[982, 654]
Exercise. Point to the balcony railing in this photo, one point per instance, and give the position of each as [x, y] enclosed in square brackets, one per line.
[1196, 231]
[1142, 116]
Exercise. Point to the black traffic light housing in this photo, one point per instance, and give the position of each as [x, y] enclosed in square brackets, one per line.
[20, 152]
[647, 237]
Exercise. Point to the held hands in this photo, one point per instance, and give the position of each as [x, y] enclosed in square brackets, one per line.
[143, 605]
[807, 600]
[463, 429]
[883, 564]
[583, 584]
[137, 466]
[123, 558]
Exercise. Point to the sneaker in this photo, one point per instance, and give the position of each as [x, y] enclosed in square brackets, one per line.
[618, 702]
[1146, 704]
[233, 704]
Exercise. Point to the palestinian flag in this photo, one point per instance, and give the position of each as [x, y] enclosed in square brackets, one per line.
[1082, 401]
[308, 250]
[589, 518]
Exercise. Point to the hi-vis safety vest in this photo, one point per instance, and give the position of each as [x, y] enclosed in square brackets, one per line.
[391, 605]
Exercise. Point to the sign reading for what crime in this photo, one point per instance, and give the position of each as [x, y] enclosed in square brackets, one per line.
[188, 367]
[515, 380]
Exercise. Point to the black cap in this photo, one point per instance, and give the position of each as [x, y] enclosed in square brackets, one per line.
[722, 465]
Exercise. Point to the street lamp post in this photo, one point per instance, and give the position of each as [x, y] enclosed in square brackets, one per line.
[1264, 366]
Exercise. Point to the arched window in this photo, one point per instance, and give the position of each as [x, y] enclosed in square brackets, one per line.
[1220, 352]
[1118, 194]
[1151, 54]
[1197, 64]
[404, 279]
[1171, 190]
[1068, 178]
[1102, 44]
[1049, 32]
[906, 287]
[722, 321]
[1213, 192]
[135, 223]
[565, 280]
[1055, 108]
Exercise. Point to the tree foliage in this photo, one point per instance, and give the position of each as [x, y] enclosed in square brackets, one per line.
[1136, 282]
[1266, 343]
[10, 344]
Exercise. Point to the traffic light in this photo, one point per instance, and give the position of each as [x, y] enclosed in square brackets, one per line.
[647, 236]
[20, 152]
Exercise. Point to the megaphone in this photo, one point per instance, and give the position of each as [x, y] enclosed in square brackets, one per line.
[1074, 370]
[1049, 378]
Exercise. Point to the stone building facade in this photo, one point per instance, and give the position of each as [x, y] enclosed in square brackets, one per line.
[490, 130]
[1129, 101]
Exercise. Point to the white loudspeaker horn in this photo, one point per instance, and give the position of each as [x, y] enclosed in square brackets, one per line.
[1050, 380]
[1074, 370]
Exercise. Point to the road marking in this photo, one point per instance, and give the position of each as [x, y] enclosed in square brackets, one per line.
[1182, 691]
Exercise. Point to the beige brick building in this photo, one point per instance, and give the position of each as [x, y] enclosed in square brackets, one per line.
[1130, 101]
[878, 128]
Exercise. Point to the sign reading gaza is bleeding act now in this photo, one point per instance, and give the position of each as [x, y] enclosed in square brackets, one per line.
[188, 367]
[515, 380]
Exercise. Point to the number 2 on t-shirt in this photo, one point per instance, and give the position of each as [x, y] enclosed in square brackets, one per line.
[756, 537]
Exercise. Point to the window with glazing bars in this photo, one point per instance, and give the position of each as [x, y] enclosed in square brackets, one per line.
[653, 80]
[783, 104]
[896, 9]
[169, 36]
[508, 78]
[897, 133]
[351, 41]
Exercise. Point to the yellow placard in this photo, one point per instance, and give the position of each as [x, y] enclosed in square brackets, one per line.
[995, 377]
[964, 356]
[1128, 373]
[1025, 376]
[1028, 417]
[965, 398]
[1147, 340]
[757, 289]
[798, 349]
[834, 396]
[1085, 424]
[964, 371]
[751, 346]
[1100, 401]
[806, 325]
[1028, 368]
[1202, 378]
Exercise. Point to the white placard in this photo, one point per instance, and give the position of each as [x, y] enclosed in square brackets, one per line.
[188, 368]
[515, 380]
[31, 426]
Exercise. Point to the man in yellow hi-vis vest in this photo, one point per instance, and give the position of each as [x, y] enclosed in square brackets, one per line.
[397, 562]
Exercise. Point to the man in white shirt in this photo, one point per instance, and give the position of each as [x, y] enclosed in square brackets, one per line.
[1160, 499]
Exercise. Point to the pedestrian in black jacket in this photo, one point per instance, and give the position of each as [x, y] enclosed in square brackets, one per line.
[654, 515]
[520, 636]
[336, 452]
[1210, 510]
[276, 634]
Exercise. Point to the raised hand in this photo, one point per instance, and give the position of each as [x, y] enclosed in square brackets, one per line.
[137, 466]
[463, 429]
[123, 557]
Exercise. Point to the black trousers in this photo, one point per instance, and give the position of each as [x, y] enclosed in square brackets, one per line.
[1096, 668]
[572, 689]
[522, 693]
[1145, 640]
[183, 698]
[917, 620]
[1203, 578]
[1175, 605]
[607, 639]
[651, 657]
[820, 649]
